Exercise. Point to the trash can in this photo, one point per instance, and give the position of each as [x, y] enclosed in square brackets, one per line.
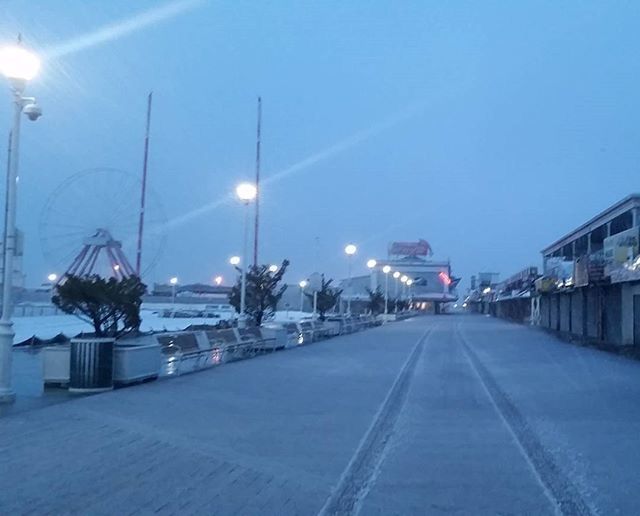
[91, 366]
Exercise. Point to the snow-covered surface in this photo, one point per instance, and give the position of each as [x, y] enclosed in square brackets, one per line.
[48, 326]
[487, 418]
[291, 315]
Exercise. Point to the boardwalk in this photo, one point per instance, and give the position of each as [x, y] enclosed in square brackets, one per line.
[436, 415]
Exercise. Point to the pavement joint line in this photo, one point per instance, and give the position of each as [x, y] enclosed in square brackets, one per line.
[362, 469]
[558, 488]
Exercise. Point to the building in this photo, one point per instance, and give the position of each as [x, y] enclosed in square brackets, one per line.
[591, 278]
[432, 282]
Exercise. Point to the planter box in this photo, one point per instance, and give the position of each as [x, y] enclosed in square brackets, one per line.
[55, 365]
[136, 363]
[91, 365]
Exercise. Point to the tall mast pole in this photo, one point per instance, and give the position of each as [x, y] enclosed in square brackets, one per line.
[257, 221]
[144, 186]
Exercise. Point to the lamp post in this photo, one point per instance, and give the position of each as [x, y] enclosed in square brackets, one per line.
[19, 66]
[396, 275]
[302, 284]
[350, 250]
[246, 192]
[386, 269]
[403, 294]
[409, 283]
[235, 261]
[371, 264]
[173, 282]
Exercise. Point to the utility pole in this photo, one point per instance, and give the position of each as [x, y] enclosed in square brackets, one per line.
[144, 187]
[257, 221]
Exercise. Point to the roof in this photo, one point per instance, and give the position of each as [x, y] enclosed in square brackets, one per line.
[631, 201]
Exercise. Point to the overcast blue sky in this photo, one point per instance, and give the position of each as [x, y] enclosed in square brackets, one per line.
[487, 128]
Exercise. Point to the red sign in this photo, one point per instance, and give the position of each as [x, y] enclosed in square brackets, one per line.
[444, 277]
[419, 248]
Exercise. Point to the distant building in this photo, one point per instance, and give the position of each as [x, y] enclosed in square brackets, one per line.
[433, 283]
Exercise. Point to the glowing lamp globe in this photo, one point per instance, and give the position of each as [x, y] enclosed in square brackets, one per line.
[273, 268]
[386, 269]
[17, 63]
[173, 281]
[234, 260]
[303, 284]
[350, 249]
[409, 282]
[371, 263]
[396, 275]
[404, 279]
[52, 277]
[246, 192]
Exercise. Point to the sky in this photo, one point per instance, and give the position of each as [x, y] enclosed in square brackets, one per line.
[489, 129]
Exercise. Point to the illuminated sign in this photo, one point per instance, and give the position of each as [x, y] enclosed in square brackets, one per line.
[419, 248]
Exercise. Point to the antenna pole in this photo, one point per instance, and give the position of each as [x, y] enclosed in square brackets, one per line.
[257, 221]
[144, 186]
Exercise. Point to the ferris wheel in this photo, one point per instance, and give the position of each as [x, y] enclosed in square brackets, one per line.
[89, 225]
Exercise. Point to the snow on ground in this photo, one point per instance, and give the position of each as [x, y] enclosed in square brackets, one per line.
[48, 326]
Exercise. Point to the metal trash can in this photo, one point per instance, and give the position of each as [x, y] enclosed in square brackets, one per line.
[91, 366]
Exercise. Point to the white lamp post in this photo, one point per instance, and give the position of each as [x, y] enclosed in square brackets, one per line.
[246, 192]
[19, 66]
[302, 284]
[409, 283]
[386, 269]
[371, 264]
[396, 275]
[350, 250]
[404, 280]
[235, 261]
[173, 282]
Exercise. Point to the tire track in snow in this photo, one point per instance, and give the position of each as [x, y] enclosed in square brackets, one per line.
[360, 473]
[563, 494]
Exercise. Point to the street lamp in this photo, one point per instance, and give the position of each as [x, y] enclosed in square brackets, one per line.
[234, 260]
[302, 284]
[409, 283]
[19, 66]
[404, 279]
[371, 263]
[52, 277]
[396, 275]
[246, 192]
[273, 268]
[173, 282]
[386, 269]
[218, 280]
[350, 250]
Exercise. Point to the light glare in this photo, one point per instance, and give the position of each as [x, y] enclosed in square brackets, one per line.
[18, 63]
[246, 191]
[350, 249]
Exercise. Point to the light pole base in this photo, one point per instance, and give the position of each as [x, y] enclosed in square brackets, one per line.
[7, 396]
